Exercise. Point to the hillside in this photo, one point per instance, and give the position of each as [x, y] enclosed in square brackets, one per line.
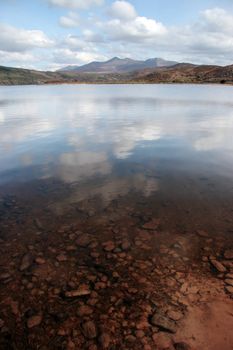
[179, 73]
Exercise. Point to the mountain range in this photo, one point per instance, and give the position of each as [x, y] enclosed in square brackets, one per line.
[122, 71]
[119, 65]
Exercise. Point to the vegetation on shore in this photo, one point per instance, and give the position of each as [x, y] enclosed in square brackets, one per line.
[179, 73]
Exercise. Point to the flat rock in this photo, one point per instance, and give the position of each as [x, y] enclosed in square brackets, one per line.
[34, 321]
[84, 310]
[182, 346]
[26, 262]
[228, 254]
[202, 233]
[163, 322]
[83, 240]
[105, 340]
[229, 281]
[89, 330]
[175, 315]
[4, 276]
[229, 289]
[80, 292]
[61, 258]
[109, 246]
[151, 225]
[40, 261]
[218, 266]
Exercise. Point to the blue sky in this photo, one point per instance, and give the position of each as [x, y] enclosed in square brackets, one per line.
[49, 34]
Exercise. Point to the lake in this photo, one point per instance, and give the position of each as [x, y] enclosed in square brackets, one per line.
[116, 207]
[167, 144]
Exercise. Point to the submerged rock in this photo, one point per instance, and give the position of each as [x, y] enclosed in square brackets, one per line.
[34, 321]
[81, 291]
[163, 322]
[218, 266]
[26, 262]
[228, 254]
[89, 330]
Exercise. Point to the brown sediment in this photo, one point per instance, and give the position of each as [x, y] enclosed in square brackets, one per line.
[116, 278]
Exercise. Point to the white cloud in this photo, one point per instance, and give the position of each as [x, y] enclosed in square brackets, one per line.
[217, 20]
[138, 29]
[122, 10]
[70, 21]
[18, 40]
[76, 4]
[66, 56]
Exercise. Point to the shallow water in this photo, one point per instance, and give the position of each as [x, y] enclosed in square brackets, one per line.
[117, 191]
[170, 145]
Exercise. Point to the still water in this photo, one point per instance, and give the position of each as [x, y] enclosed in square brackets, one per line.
[167, 146]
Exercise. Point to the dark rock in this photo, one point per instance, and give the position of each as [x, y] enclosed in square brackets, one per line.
[217, 265]
[228, 254]
[26, 262]
[83, 240]
[84, 310]
[34, 321]
[81, 291]
[163, 322]
[151, 225]
[4, 276]
[182, 346]
[105, 340]
[89, 330]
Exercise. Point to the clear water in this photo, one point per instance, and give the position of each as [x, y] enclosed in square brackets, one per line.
[171, 145]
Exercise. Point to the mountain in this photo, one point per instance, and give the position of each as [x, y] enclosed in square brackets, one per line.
[179, 73]
[118, 65]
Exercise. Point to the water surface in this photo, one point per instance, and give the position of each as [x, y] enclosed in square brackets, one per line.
[169, 147]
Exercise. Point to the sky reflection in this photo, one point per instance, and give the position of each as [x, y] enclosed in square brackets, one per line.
[78, 132]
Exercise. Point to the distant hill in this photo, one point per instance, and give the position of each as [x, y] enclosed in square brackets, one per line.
[118, 65]
[178, 73]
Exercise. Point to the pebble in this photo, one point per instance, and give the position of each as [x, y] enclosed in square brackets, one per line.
[228, 254]
[40, 261]
[229, 289]
[81, 291]
[4, 276]
[175, 315]
[105, 340]
[34, 321]
[84, 310]
[218, 266]
[89, 330]
[229, 281]
[151, 225]
[26, 262]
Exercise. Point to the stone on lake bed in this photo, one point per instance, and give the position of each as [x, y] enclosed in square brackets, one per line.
[89, 330]
[105, 340]
[229, 282]
[84, 310]
[83, 240]
[61, 258]
[26, 262]
[163, 322]
[218, 266]
[80, 292]
[151, 225]
[4, 276]
[229, 289]
[228, 254]
[109, 246]
[175, 315]
[34, 321]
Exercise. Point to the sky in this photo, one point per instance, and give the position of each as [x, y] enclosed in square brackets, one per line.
[50, 34]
